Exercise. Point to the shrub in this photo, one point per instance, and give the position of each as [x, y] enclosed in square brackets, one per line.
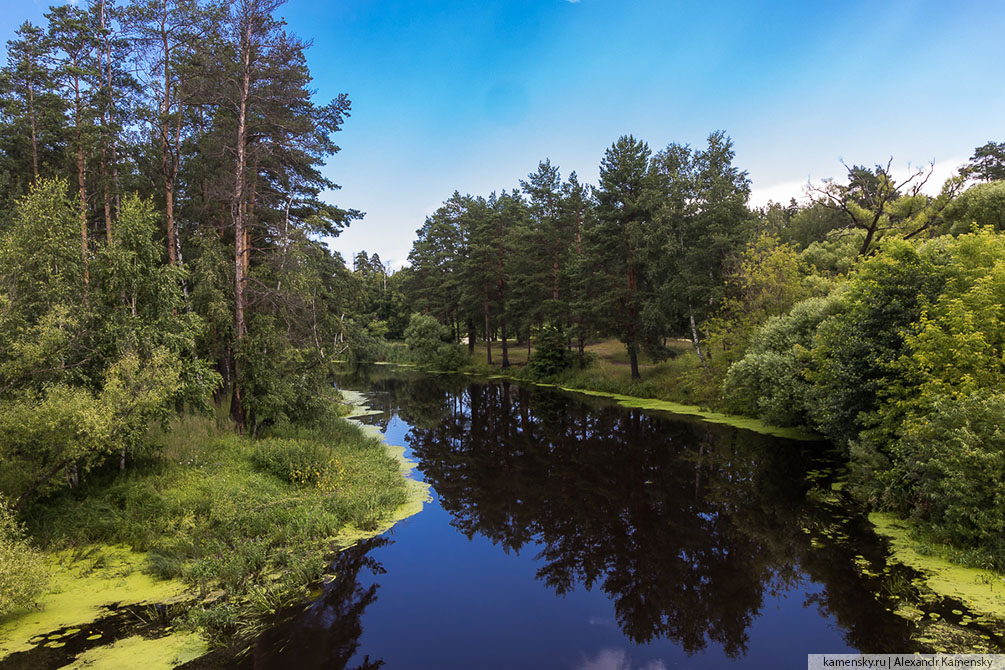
[292, 460]
[947, 470]
[22, 574]
[769, 381]
[551, 356]
[451, 356]
[424, 336]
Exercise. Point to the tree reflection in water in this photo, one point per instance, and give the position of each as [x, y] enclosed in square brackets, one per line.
[327, 634]
[686, 526]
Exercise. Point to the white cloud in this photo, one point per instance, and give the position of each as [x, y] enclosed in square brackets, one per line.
[780, 193]
[783, 191]
[617, 659]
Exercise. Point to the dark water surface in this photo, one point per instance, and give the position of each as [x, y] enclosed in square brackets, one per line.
[567, 532]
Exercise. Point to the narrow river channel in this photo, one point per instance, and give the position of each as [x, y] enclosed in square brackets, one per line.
[567, 532]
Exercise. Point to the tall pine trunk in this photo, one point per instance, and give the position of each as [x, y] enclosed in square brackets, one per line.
[238, 209]
[169, 165]
[632, 316]
[488, 333]
[33, 123]
[105, 125]
[81, 178]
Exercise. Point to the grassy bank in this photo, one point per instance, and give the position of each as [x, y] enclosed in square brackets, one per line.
[679, 385]
[239, 528]
[679, 379]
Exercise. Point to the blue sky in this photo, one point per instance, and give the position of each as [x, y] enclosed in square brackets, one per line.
[471, 95]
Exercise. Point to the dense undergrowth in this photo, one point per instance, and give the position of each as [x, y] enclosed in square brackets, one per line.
[246, 523]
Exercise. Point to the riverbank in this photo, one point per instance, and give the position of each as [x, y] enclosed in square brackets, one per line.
[678, 385]
[206, 542]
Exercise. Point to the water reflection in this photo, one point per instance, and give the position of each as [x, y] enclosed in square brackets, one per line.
[327, 634]
[686, 526]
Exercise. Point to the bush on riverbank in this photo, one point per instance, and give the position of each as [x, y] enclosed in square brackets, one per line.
[22, 575]
[429, 345]
[232, 520]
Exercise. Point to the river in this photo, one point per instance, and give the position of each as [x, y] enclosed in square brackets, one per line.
[565, 531]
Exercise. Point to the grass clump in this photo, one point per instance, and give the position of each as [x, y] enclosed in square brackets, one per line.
[247, 523]
[294, 461]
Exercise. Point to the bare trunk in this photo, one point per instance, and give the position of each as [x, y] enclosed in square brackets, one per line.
[581, 346]
[633, 357]
[105, 123]
[632, 318]
[238, 209]
[697, 344]
[488, 334]
[172, 245]
[81, 180]
[106, 195]
[168, 166]
[112, 140]
[33, 122]
[505, 344]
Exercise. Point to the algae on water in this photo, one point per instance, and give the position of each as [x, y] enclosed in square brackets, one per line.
[746, 423]
[980, 590]
[82, 587]
[133, 652]
[417, 492]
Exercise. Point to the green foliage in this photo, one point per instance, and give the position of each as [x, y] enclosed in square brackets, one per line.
[811, 224]
[450, 357]
[988, 162]
[904, 365]
[424, 336]
[551, 354]
[767, 281]
[769, 382]
[41, 263]
[947, 471]
[367, 343]
[834, 255]
[979, 206]
[23, 576]
[618, 245]
[51, 436]
[879, 206]
[856, 350]
[59, 434]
